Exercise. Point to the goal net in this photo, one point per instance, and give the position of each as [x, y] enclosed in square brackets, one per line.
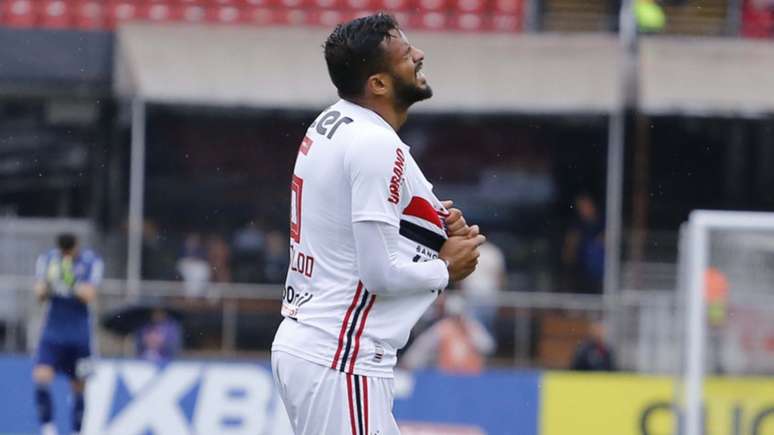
[727, 281]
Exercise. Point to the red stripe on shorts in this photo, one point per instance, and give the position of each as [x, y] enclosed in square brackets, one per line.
[351, 408]
[344, 325]
[365, 402]
[359, 333]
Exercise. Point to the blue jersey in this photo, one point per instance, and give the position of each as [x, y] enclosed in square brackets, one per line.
[67, 320]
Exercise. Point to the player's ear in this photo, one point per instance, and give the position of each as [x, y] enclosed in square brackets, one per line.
[378, 84]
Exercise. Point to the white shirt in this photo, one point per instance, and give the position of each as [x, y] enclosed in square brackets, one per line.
[361, 212]
[486, 280]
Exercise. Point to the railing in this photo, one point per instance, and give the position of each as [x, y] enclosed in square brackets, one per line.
[532, 329]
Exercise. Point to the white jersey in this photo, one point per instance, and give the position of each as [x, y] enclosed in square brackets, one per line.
[330, 318]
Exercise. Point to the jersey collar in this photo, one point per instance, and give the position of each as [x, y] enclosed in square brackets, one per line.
[367, 113]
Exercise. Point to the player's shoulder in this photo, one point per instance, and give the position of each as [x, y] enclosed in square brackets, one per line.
[371, 145]
[89, 256]
[51, 253]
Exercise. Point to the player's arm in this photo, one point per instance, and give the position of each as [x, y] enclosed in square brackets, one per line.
[376, 165]
[87, 291]
[41, 286]
[384, 271]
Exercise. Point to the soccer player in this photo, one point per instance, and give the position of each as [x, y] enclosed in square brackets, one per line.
[68, 279]
[371, 245]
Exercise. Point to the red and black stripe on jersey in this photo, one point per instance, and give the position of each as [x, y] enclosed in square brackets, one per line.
[423, 212]
[357, 313]
[351, 331]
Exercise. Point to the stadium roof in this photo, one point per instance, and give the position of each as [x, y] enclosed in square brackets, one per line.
[531, 73]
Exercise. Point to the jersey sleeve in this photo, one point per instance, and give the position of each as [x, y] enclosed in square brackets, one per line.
[40, 267]
[376, 163]
[96, 272]
[95, 269]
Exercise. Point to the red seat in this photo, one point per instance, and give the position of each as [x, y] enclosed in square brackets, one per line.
[55, 14]
[259, 16]
[160, 12]
[432, 5]
[397, 5]
[294, 17]
[119, 11]
[326, 4]
[328, 18]
[225, 15]
[193, 13]
[468, 22]
[506, 6]
[757, 23]
[291, 4]
[360, 5]
[429, 21]
[256, 3]
[19, 13]
[470, 6]
[89, 14]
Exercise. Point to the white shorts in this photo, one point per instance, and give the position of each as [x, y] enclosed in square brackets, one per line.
[323, 401]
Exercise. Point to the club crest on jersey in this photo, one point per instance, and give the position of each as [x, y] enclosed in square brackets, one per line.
[397, 176]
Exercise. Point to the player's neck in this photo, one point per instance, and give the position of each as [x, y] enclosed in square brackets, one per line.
[395, 116]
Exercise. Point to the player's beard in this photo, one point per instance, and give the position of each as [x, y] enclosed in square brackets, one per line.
[408, 93]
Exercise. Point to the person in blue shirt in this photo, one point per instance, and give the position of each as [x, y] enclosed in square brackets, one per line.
[67, 279]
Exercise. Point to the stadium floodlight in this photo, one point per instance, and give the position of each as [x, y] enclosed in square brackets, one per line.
[737, 250]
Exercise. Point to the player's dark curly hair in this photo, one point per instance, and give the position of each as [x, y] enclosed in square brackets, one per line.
[353, 52]
[66, 242]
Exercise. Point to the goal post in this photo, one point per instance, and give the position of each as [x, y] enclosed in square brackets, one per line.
[738, 248]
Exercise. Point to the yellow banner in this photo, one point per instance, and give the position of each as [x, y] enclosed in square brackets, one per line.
[614, 404]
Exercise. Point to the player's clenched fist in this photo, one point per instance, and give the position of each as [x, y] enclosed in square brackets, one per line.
[461, 253]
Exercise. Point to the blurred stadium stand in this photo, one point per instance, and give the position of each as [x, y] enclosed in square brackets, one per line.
[686, 17]
[459, 15]
[230, 86]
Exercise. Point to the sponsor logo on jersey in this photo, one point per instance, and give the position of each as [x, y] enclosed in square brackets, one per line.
[397, 175]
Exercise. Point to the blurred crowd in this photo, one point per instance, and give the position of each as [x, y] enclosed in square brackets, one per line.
[258, 253]
[250, 254]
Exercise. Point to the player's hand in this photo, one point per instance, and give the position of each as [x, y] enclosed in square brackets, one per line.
[462, 255]
[41, 291]
[455, 221]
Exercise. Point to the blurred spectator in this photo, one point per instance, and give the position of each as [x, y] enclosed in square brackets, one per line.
[276, 257]
[583, 255]
[716, 294]
[193, 267]
[455, 344]
[249, 242]
[481, 287]
[219, 257]
[250, 238]
[157, 263]
[593, 353]
[160, 340]
[650, 16]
